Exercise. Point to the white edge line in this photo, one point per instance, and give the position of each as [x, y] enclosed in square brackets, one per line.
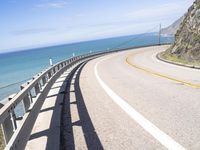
[159, 135]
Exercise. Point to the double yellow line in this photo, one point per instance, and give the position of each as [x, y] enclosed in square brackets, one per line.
[161, 75]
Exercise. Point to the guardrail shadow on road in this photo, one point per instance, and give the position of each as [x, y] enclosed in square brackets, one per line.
[91, 138]
[66, 131]
[53, 132]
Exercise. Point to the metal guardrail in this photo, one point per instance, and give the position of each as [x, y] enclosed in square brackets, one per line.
[17, 129]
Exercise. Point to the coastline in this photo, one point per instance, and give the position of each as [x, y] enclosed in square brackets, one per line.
[25, 64]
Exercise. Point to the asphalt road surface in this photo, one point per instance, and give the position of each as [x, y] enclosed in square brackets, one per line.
[131, 100]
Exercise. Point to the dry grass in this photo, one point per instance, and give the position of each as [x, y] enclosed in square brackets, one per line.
[171, 57]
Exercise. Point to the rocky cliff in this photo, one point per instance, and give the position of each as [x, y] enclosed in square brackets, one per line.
[187, 37]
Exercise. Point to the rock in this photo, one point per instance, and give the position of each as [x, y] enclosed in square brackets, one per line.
[187, 37]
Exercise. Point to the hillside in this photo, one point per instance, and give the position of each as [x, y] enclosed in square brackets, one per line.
[171, 30]
[187, 38]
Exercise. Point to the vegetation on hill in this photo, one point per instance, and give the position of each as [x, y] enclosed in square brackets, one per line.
[186, 47]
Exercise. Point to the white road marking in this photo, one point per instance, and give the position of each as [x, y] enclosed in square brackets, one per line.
[172, 65]
[159, 135]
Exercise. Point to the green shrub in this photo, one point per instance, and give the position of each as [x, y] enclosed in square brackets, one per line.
[198, 6]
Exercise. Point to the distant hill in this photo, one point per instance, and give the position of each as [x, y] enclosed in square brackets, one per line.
[171, 30]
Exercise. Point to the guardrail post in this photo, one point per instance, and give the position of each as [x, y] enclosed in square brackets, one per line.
[30, 97]
[44, 81]
[27, 102]
[9, 126]
[49, 74]
[54, 70]
[37, 88]
[13, 119]
[40, 84]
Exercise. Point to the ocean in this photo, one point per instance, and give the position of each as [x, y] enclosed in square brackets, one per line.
[17, 67]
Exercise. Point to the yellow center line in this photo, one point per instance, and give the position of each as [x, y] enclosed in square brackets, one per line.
[161, 75]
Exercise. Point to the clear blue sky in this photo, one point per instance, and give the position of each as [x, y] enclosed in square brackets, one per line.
[34, 23]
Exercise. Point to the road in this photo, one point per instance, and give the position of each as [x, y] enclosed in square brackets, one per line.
[131, 100]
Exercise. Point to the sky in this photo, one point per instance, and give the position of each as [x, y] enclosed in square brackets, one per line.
[36, 23]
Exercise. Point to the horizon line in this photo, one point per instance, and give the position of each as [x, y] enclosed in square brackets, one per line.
[27, 48]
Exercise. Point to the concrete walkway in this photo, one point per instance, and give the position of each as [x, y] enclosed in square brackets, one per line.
[46, 131]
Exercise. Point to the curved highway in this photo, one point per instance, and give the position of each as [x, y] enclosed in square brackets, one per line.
[131, 100]
[165, 95]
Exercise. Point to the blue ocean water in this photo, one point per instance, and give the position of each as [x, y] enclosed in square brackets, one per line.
[23, 65]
